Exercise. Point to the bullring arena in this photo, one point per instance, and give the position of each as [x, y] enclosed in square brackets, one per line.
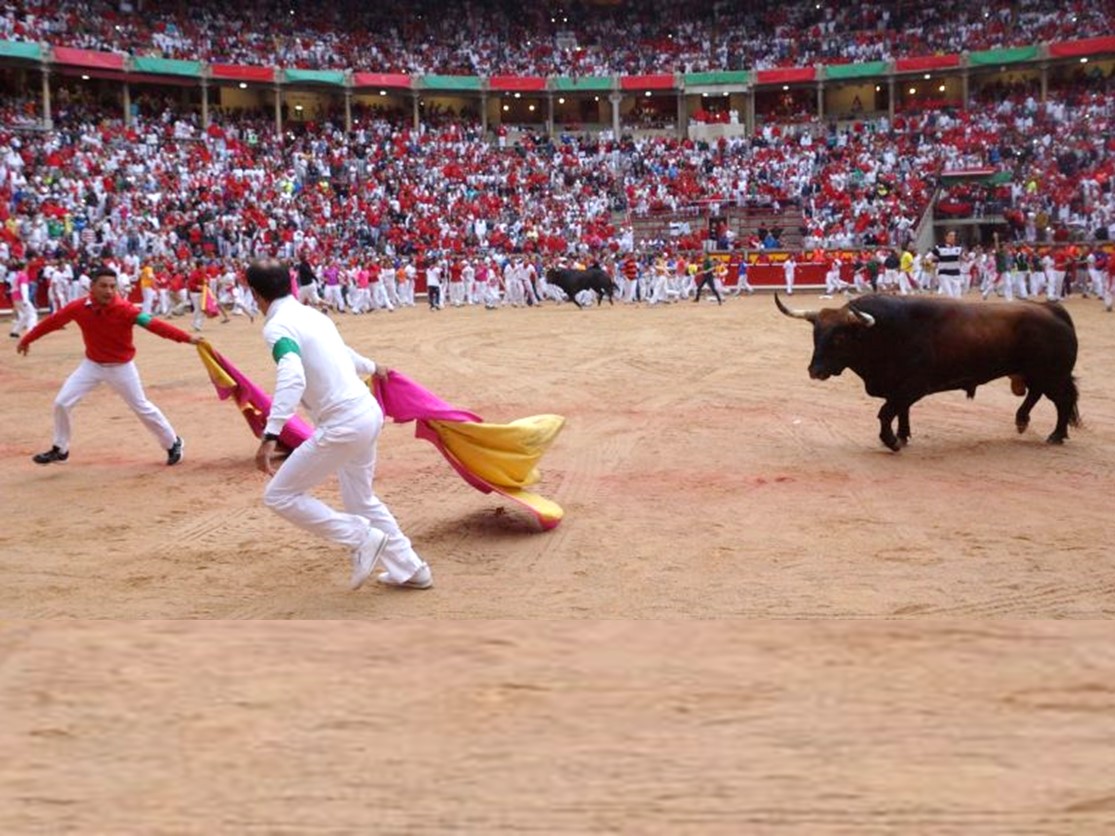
[702, 474]
[753, 618]
[641, 668]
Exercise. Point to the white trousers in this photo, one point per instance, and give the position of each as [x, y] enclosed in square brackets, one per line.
[516, 292]
[379, 296]
[345, 447]
[123, 379]
[27, 317]
[334, 297]
[1054, 284]
[952, 285]
[360, 299]
[199, 310]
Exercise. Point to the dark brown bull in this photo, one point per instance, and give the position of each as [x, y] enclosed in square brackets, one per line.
[905, 348]
[572, 282]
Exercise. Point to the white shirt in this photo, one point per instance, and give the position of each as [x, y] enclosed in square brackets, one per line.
[315, 366]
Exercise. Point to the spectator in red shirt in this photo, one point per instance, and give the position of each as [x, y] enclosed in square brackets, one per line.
[106, 321]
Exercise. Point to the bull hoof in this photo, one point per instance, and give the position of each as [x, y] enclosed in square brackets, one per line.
[892, 443]
[1056, 439]
[1021, 426]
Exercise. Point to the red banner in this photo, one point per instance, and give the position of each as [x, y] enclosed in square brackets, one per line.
[87, 58]
[786, 75]
[926, 62]
[647, 82]
[1087, 46]
[395, 80]
[237, 72]
[517, 83]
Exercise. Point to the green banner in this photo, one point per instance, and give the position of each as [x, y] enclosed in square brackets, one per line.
[333, 77]
[724, 77]
[569, 84]
[166, 66]
[451, 82]
[868, 69]
[21, 49]
[1003, 56]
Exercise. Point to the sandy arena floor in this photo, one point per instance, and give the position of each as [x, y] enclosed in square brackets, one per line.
[702, 473]
[633, 671]
[938, 727]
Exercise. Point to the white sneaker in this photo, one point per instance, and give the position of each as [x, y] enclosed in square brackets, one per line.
[366, 556]
[422, 579]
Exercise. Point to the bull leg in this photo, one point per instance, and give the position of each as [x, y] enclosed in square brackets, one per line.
[904, 425]
[1065, 400]
[1022, 417]
[886, 432]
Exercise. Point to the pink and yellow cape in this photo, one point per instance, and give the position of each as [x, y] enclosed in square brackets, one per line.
[491, 457]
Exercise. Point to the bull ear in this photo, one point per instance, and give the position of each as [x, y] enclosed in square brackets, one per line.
[810, 316]
[867, 319]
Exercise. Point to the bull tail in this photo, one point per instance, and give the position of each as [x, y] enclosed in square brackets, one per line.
[1074, 395]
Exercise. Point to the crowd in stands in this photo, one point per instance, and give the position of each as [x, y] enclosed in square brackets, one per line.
[579, 38]
[1054, 163]
[164, 187]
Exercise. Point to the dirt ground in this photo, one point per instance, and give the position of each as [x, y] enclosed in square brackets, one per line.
[635, 670]
[702, 473]
[936, 727]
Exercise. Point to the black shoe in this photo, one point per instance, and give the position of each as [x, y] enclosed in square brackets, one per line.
[51, 455]
[174, 452]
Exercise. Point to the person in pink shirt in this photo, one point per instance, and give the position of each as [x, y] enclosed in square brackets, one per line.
[361, 296]
[26, 314]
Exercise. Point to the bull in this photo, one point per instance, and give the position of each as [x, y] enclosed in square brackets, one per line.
[572, 282]
[906, 348]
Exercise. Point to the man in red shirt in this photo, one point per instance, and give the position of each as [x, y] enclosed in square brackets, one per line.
[106, 321]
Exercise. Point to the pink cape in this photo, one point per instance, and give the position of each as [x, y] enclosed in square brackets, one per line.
[402, 400]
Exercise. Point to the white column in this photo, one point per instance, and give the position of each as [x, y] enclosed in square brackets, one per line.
[278, 109]
[48, 122]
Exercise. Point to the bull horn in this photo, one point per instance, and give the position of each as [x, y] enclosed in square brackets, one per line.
[866, 318]
[811, 316]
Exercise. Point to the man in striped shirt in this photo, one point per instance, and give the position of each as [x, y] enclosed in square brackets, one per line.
[947, 258]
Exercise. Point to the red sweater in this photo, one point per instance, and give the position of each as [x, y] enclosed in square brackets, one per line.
[106, 329]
